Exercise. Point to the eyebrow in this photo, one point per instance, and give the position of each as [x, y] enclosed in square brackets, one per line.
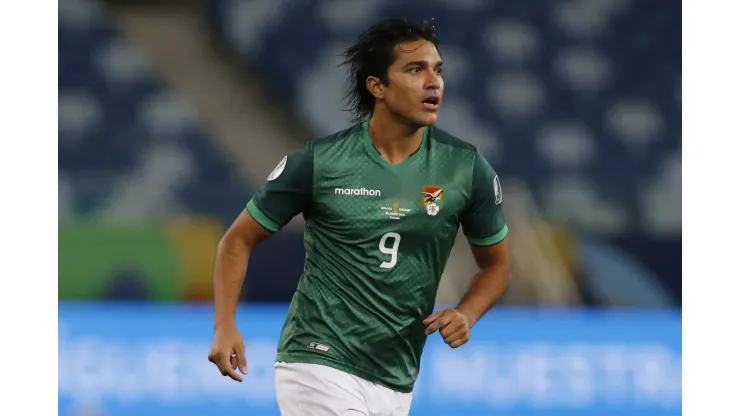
[423, 64]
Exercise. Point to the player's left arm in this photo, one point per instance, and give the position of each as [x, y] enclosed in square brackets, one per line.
[484, 225]
[489, 283]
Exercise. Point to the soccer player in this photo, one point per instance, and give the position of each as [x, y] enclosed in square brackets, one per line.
[383, 201]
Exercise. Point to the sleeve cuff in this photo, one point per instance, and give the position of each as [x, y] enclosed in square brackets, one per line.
[489, 241]
[261, 218]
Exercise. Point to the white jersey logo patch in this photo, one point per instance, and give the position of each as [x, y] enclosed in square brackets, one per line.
[497, 190]
[357, 191]
[278, 169]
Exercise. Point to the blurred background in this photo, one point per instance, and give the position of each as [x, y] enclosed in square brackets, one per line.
[171, 113]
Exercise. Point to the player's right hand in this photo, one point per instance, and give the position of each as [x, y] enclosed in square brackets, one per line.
[228, 352]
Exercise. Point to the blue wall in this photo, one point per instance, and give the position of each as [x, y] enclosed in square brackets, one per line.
[151, 360]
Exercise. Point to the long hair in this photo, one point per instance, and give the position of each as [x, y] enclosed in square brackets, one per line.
[373, 53]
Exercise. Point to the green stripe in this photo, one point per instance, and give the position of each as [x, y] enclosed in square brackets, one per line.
[489, 241]
[261, 218]
[92, 254]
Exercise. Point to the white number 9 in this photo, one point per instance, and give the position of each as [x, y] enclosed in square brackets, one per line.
[392, 251]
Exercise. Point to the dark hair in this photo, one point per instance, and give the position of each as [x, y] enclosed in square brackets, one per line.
[373, 53]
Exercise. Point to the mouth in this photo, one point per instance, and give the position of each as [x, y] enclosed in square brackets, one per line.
[431, 103]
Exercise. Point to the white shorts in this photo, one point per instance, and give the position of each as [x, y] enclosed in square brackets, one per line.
[318, 390]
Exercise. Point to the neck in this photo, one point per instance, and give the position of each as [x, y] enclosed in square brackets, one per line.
[394, 140]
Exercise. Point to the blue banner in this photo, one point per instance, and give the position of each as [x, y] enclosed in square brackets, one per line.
[143, 359]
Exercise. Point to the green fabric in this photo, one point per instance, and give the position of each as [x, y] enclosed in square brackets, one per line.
[377, 238]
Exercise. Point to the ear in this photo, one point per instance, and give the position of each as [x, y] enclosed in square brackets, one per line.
[375, 86]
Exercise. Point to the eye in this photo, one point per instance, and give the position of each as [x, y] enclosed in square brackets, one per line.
[439, 71]
[416, 69]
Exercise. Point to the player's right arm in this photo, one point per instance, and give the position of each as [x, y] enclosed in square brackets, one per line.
[228, 351]
[286, 193]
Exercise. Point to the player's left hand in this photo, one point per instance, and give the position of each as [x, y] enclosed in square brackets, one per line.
[453, 326]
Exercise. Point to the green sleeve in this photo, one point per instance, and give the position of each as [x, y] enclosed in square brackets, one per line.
[287, 191]
[483, 220]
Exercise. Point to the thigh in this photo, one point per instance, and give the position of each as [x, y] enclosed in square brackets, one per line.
[387, 402]
[315, 390]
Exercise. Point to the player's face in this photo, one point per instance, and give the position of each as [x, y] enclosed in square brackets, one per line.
[415, 85]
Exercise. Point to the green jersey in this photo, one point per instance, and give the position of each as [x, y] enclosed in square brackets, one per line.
[377, 239]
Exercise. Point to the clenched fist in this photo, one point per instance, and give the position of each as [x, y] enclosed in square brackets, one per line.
[453, 326]
[228, 352]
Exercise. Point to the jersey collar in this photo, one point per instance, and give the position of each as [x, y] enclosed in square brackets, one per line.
[373, 152]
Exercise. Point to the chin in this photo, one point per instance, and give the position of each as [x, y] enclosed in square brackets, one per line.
[429, 120]
[425, 120]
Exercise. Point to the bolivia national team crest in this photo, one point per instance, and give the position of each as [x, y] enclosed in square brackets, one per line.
[433, 199]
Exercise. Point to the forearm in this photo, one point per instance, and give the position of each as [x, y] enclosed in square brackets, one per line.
[231, 266]
[486, 288]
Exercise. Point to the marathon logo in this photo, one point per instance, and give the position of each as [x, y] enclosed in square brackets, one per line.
[356, 191]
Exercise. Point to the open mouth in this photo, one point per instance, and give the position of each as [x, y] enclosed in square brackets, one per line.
[431, 103]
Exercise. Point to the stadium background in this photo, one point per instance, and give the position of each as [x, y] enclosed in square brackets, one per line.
[173, 112]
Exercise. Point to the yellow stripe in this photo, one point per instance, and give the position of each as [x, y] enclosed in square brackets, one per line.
[196, 240]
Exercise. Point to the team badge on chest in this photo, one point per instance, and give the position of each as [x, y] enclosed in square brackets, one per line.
[432, 197]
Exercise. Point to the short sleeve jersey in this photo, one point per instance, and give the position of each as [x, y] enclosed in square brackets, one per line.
[377, 239]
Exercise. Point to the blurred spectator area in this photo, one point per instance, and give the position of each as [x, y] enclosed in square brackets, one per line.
[580, 98]
[130, 147]
[579, 101]
[576, 101]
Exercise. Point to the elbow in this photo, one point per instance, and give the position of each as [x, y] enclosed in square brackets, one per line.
[232, 245]
[225, 244]
[506, 277]
[505, 271]
[499, 271]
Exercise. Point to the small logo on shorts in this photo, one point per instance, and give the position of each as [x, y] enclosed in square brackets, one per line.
[317, 346]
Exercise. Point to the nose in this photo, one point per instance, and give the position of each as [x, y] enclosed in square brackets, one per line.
[433, 82]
